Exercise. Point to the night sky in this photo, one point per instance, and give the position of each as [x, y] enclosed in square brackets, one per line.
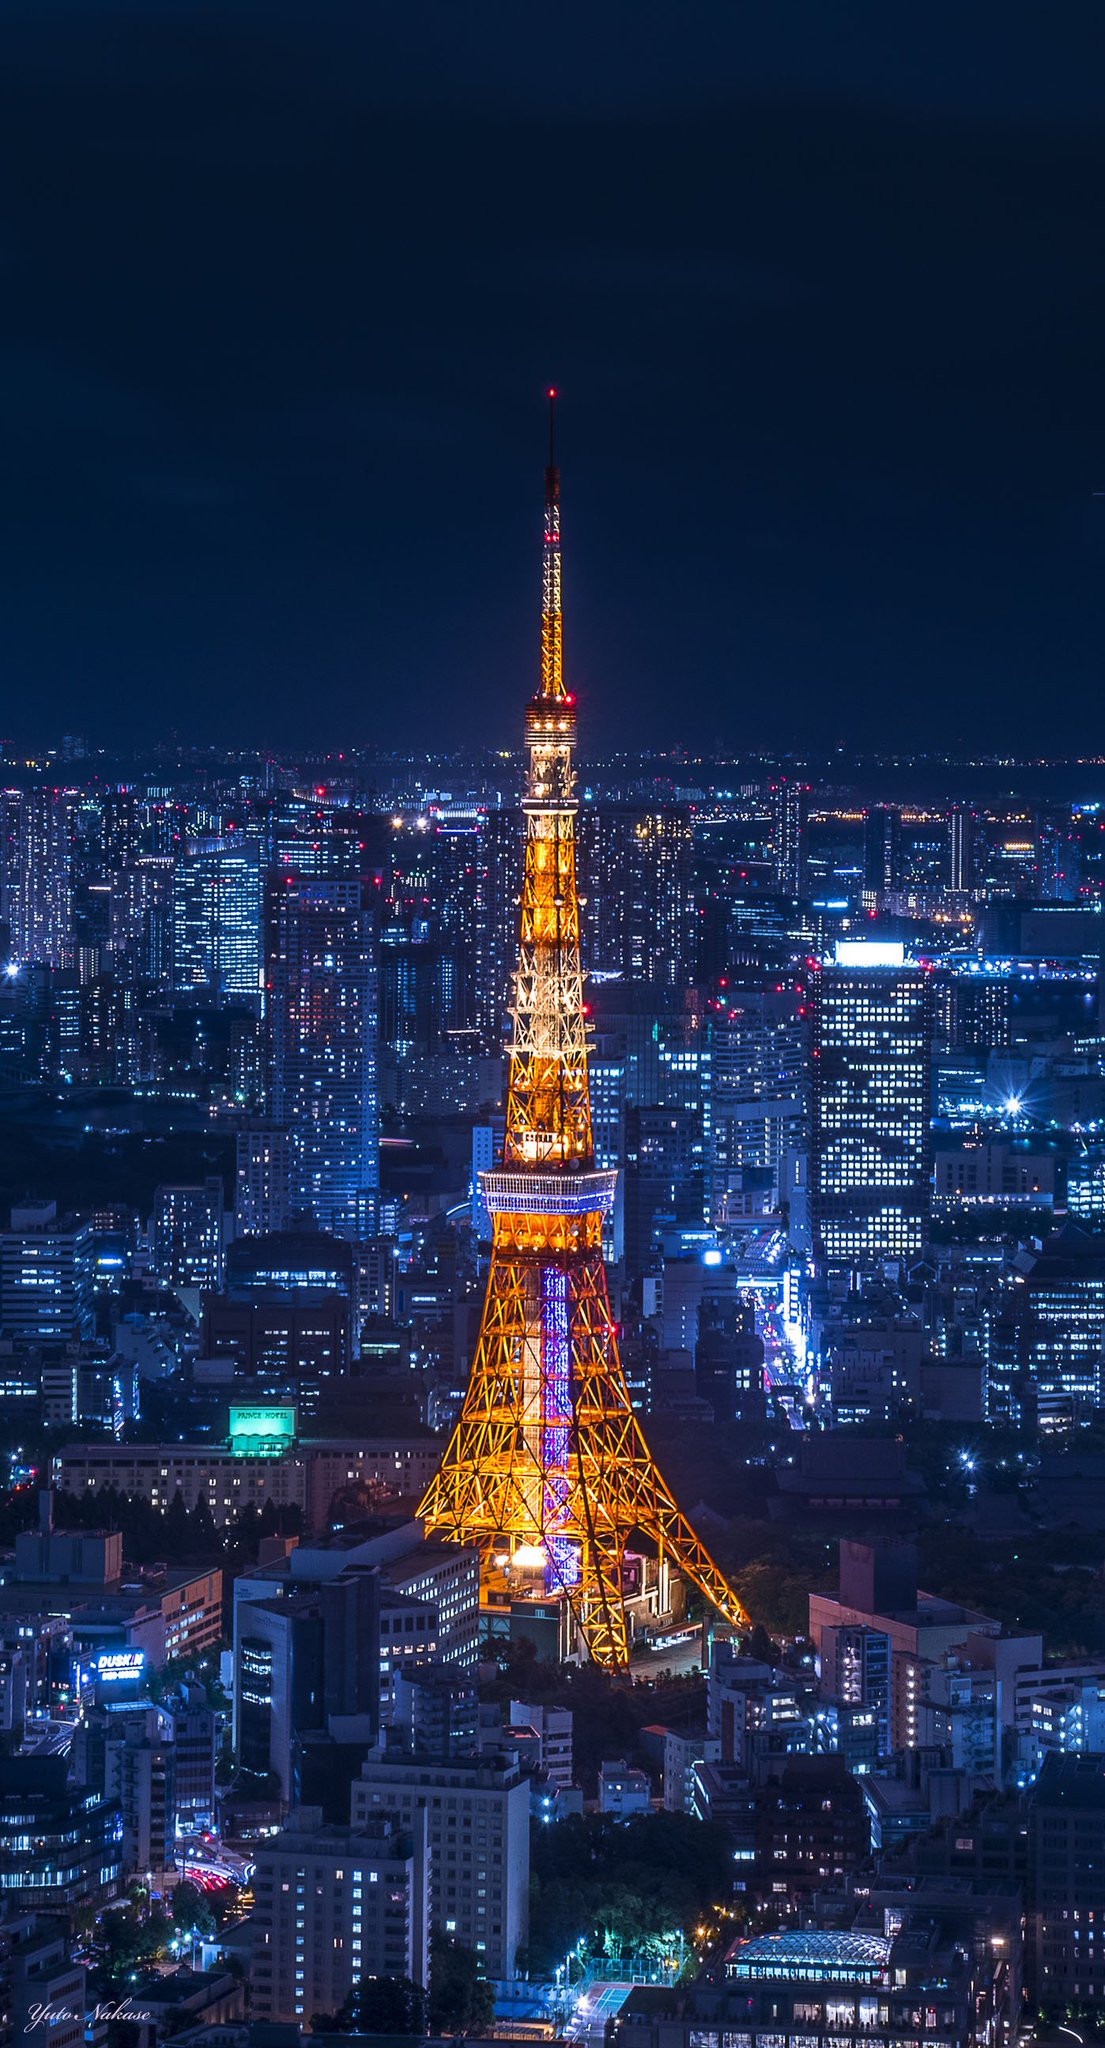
[822, 286]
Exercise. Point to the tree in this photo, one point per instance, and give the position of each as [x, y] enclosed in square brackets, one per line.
[191, 1910]
[616, 1885]
[133, 1934]
[383, 2005]
[177, 1528]
[461, 1999]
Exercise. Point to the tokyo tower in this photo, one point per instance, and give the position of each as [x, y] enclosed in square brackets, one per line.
[547, 1471]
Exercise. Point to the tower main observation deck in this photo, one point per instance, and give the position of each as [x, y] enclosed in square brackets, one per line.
[547, 1471]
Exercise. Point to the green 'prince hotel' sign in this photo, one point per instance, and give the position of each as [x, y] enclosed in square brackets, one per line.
[261, 1432]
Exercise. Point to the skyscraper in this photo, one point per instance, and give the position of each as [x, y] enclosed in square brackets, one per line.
[140, 918]
[789, 817]
[870, 1152]
[186, 1234]
[217, 919]
[262, 1191]
[323, 1025]
[635, 872]
[36, 874]
[960, 848]
[882, 848]
[759, 1072]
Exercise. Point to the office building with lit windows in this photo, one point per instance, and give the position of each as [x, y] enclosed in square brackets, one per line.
[1067, 1898]
[46, 1275]
[308, 1654]
[334, 1905]
[36, 874]
[961, 833]
[217, 919]
[871, 1123]
[60, 1845]
[759, 1067]
[789, 826]
[323, 1023]
[186, 1234]
[882, 849]
[262, 1187]
[478, 1811]
[1047, 1363]
[635, 879]
[140, 918]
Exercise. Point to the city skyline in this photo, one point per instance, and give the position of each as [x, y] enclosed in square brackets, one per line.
[552, 1297]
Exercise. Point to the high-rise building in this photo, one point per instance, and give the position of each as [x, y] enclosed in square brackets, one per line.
[1067, 1859]
[195, 1731]
[870, 1150]
[298, 1661]
[263, 1183]
[217, 919]
[469, 914]
[186, 1234]
[46, 1274]
[789, 824]
[323, 1023]
[36, 874]
[961, 849]
[635, 873]
[478, 1812]
[140, 918]
[59, 1844]
[759, 1071]
[418, 995]
[1047, 1364]
[882, 848]
[435, 1710]
[335, 1905]
[139, 1778]
[44, 1991]
[855, 1671]
[552, 1729]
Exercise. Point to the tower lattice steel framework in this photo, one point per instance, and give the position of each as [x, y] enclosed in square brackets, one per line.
[548, 1466]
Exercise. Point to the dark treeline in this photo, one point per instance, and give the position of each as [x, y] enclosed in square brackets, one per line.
[176, 1534]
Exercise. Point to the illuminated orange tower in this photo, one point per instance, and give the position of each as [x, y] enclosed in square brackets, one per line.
[548, 1471]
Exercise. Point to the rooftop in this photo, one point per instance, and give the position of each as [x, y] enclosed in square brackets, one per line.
[1075, 1780]
[816, 1950]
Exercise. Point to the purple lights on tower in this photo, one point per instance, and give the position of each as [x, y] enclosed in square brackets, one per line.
[562, 1566]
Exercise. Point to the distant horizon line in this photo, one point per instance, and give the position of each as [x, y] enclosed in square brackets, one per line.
[63, 754]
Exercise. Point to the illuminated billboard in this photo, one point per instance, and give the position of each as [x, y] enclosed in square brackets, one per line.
[869, 953]
[114, 1665]
[261, 1432]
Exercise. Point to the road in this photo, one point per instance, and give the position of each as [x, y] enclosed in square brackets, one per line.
[48, 1738]
[212, 1868]
[782, 1372]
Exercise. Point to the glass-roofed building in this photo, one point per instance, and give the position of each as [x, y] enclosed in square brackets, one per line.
[934, 1966]
[810, 1951]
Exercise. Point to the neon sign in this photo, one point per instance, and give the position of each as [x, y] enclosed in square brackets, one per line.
[116, 1664]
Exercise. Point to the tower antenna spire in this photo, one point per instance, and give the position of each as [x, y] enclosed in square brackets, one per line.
[552, 639]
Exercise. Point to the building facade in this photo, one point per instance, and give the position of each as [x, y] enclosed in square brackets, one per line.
[478, 1825]
[871, 1135]
[335, 1905]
